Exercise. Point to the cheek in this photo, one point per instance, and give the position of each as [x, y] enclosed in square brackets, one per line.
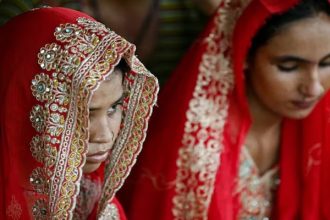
[326, 82]
[273, 87]
[92, 125]
[271, 79]
[115, 123]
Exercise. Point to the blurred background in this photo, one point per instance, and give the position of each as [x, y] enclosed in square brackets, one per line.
[162, 30]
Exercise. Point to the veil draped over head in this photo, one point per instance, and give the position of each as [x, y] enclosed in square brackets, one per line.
[52, 60]
[190, 163]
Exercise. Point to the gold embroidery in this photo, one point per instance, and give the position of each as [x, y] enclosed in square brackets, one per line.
[110, 213]
[60, 119]
[85, 54]
[142, 97]
[96, 27]
[39, 181]
[14, 210]
[38, 117]
[37, 147]
[255, 192]
[41, 87]
[199, 156]
[39, 209]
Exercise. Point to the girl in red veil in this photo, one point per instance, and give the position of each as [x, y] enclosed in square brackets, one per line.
[72, 123]
[242, 129]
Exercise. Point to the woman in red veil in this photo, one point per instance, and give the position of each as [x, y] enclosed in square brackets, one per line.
[72, 123]
[242, 129]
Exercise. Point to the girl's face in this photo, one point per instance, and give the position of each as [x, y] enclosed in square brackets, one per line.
[291, 73]
[105, 113]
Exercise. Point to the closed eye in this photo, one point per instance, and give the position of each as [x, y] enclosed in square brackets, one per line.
[288, 66]
[288, 63]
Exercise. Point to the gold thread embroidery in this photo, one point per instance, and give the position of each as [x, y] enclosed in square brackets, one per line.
[255, 192]
[199, 156]
[38, 117]
[110, 213]
[143, 90]
[60, 120]
[41, 87]
[40, 210]
[88, 53]
[14, 210]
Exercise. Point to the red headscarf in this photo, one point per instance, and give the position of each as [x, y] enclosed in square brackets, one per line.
[190, 161]
[51, 62]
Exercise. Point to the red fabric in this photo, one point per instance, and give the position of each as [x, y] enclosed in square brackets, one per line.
[305, 148]
[18, 65]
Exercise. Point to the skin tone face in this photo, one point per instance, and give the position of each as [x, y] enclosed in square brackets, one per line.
[286, 78]
[105, 114]
[291, 73]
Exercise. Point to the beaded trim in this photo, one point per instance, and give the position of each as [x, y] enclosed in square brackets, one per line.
[110, 213]
[84, 54]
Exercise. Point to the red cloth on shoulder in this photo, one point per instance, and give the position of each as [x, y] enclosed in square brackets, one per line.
[151, 191]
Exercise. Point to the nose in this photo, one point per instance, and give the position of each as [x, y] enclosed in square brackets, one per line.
[311, 85]
[100, 131]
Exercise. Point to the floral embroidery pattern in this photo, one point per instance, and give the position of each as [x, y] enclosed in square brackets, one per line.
[42, 87]
[133, 133]
[38, 117]
[38, 179]
[40, 210]
[110, 213]
[255, 192]
[60, 113]
[14, 210]
[71, 68]
[201, 144]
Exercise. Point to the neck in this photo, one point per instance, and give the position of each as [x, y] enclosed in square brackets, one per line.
[264, 120]
[263, 138]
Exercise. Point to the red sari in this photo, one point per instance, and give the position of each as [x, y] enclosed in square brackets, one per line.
[189, 166]
[52, 60]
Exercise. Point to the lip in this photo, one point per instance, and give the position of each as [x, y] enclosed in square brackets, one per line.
[303, 104]
[97, 157]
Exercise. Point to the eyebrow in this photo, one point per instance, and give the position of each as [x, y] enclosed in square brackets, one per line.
[290, 58]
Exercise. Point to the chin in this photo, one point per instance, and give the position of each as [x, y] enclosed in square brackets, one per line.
[90, 167]
[297, 115]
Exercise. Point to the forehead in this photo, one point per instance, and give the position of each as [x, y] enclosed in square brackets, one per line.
[307, 37]
[109, 90]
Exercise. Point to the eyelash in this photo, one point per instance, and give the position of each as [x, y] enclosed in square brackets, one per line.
[295, 67]
[287, 69]
[111, 111]
[325, 64]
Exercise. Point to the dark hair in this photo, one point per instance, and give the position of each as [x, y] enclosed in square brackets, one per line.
[122, 65]
[304, 9]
